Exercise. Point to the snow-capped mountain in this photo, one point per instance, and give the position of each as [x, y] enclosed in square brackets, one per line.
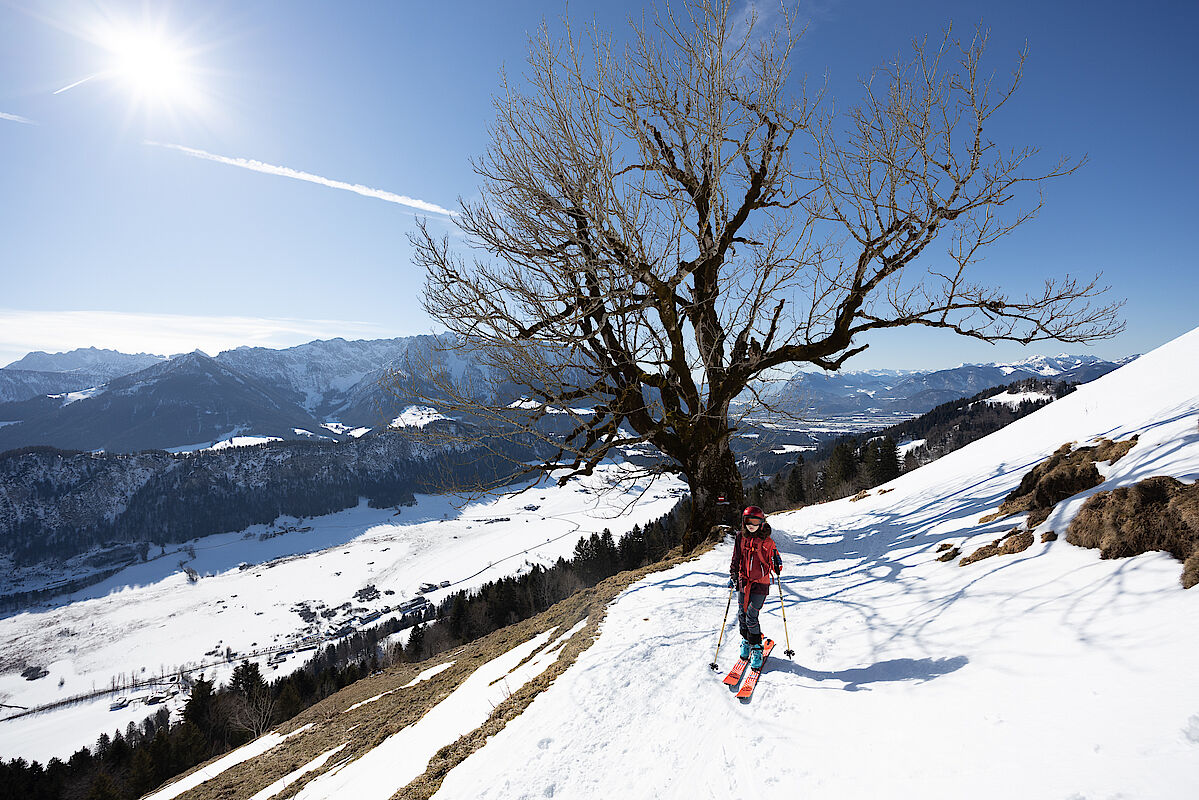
[917, 392]
[327, 388]
[190, 400]
[19, 385]
[107, 364]
[323, 376]
[39, 374]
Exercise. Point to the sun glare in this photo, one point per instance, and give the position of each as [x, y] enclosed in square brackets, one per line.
[151, 65]
[145, 62]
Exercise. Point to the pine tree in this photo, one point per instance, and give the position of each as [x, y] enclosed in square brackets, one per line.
[416, 643]
[247, 680]
[104, 788]
[842, 467]
[198, 709]
[795, 491]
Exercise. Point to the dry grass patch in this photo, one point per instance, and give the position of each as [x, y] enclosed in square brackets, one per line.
[1159, 513]
[950, 554]
[1064, 474]
[1017, 540]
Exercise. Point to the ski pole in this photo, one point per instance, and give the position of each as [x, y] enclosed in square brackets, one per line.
[788, 652]
[723, 622]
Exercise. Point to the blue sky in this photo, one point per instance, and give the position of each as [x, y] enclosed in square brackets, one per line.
[109, 238]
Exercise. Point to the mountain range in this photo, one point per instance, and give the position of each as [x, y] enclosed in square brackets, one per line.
[330, 389]
[827, 394]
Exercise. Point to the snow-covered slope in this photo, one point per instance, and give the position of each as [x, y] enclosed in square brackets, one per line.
[1047, 674]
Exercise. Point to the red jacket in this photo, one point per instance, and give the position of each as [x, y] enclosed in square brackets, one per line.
[755, 557]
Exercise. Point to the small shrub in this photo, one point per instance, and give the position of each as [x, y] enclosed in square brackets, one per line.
[1048, 536]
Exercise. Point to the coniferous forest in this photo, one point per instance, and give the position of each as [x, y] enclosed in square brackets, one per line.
[55, 504]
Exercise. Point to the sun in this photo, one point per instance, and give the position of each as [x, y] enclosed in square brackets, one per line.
[150, 64]
[145, 62]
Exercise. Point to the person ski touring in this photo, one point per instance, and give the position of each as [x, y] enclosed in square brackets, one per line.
[755, 563]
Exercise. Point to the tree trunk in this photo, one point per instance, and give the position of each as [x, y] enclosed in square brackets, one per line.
[713, 474]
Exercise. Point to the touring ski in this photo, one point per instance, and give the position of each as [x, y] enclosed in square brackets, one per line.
[751, 680]
[734, 676]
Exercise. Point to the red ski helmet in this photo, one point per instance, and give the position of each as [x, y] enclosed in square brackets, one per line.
[753, 512]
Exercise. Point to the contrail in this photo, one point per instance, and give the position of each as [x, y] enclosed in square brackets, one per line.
[15, 118]
[288, 172]
[76, 83]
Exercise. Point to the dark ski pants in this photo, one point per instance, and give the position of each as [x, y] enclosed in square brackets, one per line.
[747, 616]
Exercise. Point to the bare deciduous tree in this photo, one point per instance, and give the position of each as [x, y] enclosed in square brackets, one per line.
[660, 228]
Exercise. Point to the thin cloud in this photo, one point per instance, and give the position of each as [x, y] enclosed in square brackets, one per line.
[288, 172]
[16, 118]
[23, 332]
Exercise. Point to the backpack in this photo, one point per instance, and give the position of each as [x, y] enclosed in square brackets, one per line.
[757, 558]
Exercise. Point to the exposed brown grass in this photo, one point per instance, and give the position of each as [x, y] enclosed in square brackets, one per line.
[951, 554]
[1159, 513]
[1064, 474]
[365, 727]
[862, 495]
[1048, 536]
[1017, 540]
